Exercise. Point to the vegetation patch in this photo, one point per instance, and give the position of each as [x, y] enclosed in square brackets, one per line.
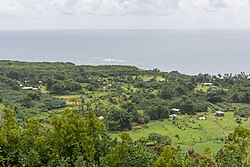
[156, 108]
[1, 107]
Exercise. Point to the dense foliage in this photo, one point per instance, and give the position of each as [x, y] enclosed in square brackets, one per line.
[125, 87]
[60, 114]
[82, 140]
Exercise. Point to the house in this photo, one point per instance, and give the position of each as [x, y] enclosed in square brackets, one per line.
[175, 109]
[172, 115]
[213, 87]
[101, 118]
[30, 88]
[27, 88]
[202, 118]
[219, 114]
[207, 84]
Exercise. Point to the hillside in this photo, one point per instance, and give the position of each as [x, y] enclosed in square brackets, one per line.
[176, 109]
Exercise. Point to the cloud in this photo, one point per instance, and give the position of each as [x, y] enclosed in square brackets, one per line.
[128, 7]
[167, 11]
[115, 7]
[10, 8]
[172, 9]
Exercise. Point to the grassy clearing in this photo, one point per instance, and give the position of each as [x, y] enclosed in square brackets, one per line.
[193, 133]
[204, 89]
[158, 78]
[43, 90]
[241, 105]
[149, 77]
[201, 88]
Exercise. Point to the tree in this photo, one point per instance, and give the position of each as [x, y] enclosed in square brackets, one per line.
[129, 106]
[235, 152]
[127, 154]
[69, 138]
[188, 107]
[236, 97]
[118, 119]
[246, 97]
[167, 93]
[170, 157]
[214, 97]
[240, 139]
[34, 147]
[157, 112]
[158, 139]
[9, 139]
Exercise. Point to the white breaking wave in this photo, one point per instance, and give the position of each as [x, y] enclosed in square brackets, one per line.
[112, 60]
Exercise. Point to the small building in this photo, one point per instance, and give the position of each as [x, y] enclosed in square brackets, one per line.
[213, 87]
[202, 118]
[219, 114]
[175, 109]
[35, 89]
[207, 84]
[172, 115]
[101, 118]
[27, 88]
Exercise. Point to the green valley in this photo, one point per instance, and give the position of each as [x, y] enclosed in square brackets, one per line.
[147, 111]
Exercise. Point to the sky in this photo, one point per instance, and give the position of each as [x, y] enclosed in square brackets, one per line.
[124, 14]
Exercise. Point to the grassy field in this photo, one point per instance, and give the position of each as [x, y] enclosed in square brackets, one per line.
[201, 88]
[149, 77]
[204, 89]
[43, 90]
[185, 131]
[193, 133]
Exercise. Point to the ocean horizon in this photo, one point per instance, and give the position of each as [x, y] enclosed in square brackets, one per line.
[186, 51]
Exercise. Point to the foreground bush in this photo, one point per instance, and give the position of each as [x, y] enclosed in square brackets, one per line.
[81, 140]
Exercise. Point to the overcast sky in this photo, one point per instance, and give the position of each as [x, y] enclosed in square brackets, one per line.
[124, 14]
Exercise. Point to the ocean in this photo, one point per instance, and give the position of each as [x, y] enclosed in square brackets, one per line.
[186, 51]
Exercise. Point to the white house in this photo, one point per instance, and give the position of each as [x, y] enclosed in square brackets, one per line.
[172, 115]
[175, 109]
[27, 88]
[101, 118]
[202, 118]
[30, 88]
[219, 114]
[207, 84]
